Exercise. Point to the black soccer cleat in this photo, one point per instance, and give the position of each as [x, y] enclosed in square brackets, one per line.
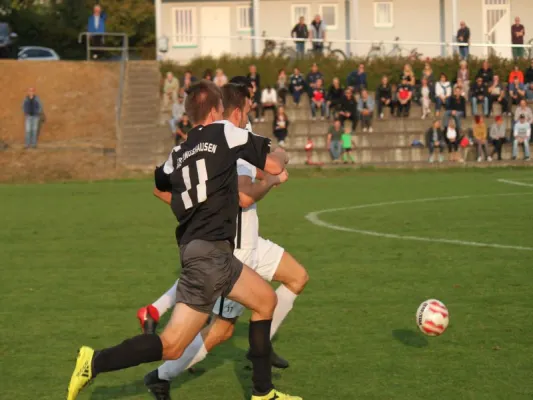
[159, 388]
[275, 360]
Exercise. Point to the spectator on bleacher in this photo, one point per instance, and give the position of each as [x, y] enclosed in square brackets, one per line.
[357, 79]
[529, 82]
[96, 28]
[497, 95]
[394, 99]
[256, 103]
[463, 36]
[348, 109]
[425, 98]
[435, 139]
[334, 143]
[318, 100]
[253, 76]
[516, 73]
[464, 74]
[208, 75]
[517, 91]
[455, 109]
[366, 110]
[517, 37]
[171, 86]
[405, 95]
[525, 110]
[334, 98]
[188, 80]
[33, 111]
[182, 129]
[282, 86]
[522, 134]
[269, 100]
[479, 95]
[384, 96]
[317, 30]
[480, 138]
[452, 138]
[312, 77]
[178, 109]
[486, 73]
[408, 75]
[280, 126]
[220, 78]
[427, 73]
[459, 84]
[301, 34]
[296, 85]
[443, 91]
[497, 136]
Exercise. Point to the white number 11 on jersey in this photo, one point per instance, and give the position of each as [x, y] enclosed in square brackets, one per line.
[201, 193]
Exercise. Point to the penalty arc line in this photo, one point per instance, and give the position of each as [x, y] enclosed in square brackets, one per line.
[313, 217]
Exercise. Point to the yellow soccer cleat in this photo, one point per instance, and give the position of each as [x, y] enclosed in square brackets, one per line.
[275, 395]
[82, 374]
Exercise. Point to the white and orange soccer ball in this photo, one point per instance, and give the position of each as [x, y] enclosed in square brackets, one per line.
[432, 317]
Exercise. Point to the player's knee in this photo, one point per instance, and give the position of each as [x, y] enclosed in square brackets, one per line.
[172, 349]
[298, 279]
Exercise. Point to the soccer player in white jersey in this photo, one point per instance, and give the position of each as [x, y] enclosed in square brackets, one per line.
[268, 259]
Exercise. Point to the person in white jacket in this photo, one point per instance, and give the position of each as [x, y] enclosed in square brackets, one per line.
[443, 91]
[269, 100]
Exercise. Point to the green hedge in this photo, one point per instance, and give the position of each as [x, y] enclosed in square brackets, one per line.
[268, 67]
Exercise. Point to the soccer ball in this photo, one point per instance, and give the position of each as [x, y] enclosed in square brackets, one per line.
[432, 317]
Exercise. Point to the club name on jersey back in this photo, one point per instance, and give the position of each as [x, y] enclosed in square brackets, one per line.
[200, 147]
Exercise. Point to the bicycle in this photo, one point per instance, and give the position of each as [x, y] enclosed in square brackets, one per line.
[329, 52]
[283, 50]
[378, 51]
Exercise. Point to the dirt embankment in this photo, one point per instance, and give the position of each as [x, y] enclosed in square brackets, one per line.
[78, 98]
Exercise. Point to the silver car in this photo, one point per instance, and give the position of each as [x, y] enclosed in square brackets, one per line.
[37, 53]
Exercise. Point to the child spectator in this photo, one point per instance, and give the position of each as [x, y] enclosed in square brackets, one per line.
[296, 85]
[463, 74]
[479, 94]
[522, 133]
[220, 78]
[334, 97]
[366, 110]
[269, 99]
[182, 129]
[516, 73]
[384, 96]
[497, 95]
[443, 91]
[497, 136]
[171, 87]
[348, 109]
[425, 93]
[435, 139]
[318, 100]
[517, 91]
[356, 80]
[282, 86]
[405, 94]
[456, 109]
[480, 138]
[347, 145]
[281, 126]
[334, 143]
[452, 138]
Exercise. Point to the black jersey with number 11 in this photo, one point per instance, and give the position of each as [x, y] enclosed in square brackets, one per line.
[202, 176]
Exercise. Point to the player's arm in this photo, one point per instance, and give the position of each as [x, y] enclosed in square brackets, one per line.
[165, 197]
[163, 172]
[251, 192]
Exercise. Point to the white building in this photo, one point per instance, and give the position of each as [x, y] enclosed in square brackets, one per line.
[190, 28]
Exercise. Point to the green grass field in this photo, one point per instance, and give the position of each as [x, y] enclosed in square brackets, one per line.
[78, 259]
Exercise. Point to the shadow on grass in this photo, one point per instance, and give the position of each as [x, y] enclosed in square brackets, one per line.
[410, 338]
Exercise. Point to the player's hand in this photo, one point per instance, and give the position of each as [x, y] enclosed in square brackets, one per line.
[283, 177]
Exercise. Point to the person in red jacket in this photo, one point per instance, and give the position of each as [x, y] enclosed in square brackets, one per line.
[516, 73]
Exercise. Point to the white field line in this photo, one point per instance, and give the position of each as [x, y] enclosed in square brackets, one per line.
[313, 217]
[517, 183]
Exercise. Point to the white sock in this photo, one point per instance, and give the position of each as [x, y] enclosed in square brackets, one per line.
[286, 300]
[167, 301]
[193, 354]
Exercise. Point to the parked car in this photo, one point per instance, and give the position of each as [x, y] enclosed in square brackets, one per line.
[7, 40]
[37, 53]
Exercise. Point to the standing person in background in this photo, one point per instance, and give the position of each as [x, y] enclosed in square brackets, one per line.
[301, 34]
[178, 109]
[366, 110]
[281, 126]
[334, 143]
[522, 133]
[384, 96]
[517, 37]
[33, 110]
[347, 146]
[296, 85]
[463, 36]
[171, 86]
[96, 28]
[497, 136]
[480, 137]
[318, 32]
[282, 86]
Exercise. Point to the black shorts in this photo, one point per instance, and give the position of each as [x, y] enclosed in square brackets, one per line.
[209, 270]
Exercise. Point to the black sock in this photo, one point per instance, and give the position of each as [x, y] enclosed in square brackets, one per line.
[260, 349]
[131, 352]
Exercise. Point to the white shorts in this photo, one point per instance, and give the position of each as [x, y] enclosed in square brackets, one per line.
[264, 260]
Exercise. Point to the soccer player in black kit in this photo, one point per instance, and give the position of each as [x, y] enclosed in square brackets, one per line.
[201, 174]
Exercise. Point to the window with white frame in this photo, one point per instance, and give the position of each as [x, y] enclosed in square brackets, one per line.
[383, 14]
[301, 10]
[329, 15]
[184, 26]
[244, 18]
